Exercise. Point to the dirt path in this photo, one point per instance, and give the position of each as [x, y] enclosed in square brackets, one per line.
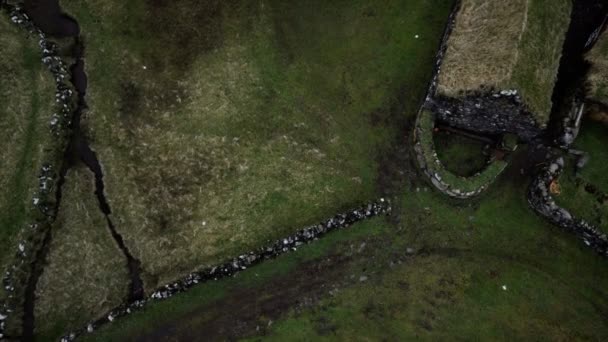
[239, 314]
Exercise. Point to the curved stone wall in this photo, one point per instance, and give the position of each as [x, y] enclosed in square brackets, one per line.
[442, 179]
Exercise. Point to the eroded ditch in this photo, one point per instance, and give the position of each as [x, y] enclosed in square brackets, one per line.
[48, 17]
[79, 151]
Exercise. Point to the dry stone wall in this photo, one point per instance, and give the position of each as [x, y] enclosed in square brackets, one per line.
[540, 199]
[44, 202]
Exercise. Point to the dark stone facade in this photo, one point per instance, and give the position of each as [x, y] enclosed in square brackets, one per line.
[494, 114]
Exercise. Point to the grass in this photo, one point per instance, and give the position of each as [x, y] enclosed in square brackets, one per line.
[27, 96]
[480, 180]
[598, 57]
[264, 117]
[573, 195]
[86, 274]
[250, 119]
[460, 155]
[453, 289]
[451, 286]
[498, 45]
[156, 313]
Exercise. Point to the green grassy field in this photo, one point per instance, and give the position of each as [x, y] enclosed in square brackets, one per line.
[86, 273]
[27, 97]
[222, 124]
[449, 284]
[244, 120]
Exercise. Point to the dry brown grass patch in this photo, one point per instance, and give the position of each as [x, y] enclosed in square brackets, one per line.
[483, 47]
[84, 262]
[598, 75]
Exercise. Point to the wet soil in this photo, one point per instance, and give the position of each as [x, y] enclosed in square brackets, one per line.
[250, 311]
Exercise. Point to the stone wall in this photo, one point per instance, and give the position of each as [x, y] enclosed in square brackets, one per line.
[540, 199]
[240, 263]
[44, 202]
[497, 113]
[442, 179]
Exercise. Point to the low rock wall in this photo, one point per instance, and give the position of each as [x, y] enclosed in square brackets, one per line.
[240, 263]
[540, 199]
[44, 201]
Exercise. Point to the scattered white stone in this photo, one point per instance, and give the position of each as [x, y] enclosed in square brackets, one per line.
[90, 328]
[416, 36]
[110, 318]
[2, 317]
[504, 287]
[362, 278]
[145, 67]
[21, 248]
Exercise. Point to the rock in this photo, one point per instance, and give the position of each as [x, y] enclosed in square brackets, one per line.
[363, 278]
[361, 247]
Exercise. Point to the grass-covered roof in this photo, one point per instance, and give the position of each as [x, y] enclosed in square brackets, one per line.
[500, 45]
[598, 75]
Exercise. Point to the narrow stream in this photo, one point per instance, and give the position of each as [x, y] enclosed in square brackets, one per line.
[47, 15]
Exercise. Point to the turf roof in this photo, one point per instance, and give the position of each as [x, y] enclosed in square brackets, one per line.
[507, 45]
